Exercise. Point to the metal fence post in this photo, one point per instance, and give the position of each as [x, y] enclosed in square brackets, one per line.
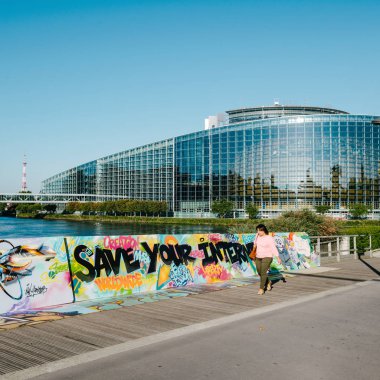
[319, 246]
[329, 249]
[337, 250]
[370, 245]
[355, 250]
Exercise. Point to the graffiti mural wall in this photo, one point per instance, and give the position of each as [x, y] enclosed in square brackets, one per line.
[109, 266]
[33, 273]
[37, 273]
[295, 251]
[121, 265]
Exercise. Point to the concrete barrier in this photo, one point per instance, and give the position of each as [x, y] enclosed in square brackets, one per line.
[37, 273]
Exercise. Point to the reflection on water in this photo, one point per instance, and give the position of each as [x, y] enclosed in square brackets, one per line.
[16, 228]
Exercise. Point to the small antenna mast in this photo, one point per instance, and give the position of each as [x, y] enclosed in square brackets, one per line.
[23, 182]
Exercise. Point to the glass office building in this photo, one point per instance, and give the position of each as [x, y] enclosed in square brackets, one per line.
[277, 157]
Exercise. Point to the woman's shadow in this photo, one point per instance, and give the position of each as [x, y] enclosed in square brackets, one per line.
[276, 276]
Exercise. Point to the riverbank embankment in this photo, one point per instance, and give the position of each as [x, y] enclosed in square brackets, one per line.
[150, 220]
[343, 227]
[313, 224]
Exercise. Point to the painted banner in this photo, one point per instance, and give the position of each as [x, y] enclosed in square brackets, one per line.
[34, 273]
[120, 265]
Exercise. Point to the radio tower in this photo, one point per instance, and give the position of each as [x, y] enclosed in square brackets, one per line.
[23, 182]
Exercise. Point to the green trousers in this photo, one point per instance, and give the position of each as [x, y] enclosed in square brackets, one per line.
[262, 266]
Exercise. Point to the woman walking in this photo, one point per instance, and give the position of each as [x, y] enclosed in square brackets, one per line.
[265, 251]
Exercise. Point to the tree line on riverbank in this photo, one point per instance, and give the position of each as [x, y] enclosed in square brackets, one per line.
[119, 207]
[124, 207]
[31, 209]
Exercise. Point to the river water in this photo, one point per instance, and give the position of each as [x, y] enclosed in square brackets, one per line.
[19, 228]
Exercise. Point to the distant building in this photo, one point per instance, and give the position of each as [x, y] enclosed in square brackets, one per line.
[277, 157]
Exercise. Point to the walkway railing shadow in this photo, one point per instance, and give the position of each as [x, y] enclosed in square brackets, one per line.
[360, 258]
[328, 277]
[373, 269]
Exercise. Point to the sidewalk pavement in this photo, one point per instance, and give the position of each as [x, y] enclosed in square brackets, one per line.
[37, 344]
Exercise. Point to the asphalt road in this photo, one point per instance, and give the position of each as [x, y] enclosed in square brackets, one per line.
[335, 337]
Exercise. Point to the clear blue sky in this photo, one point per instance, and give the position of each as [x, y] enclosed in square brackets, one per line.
[80, 80]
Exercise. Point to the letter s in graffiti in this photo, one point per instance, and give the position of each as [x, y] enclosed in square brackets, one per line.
[80, 253]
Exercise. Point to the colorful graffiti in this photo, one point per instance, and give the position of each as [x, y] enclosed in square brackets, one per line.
[296, 251]
[33, 273]
[111, 266]
[45, 272]
[120, 265]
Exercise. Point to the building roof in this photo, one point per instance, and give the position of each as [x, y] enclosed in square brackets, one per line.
[277, 110]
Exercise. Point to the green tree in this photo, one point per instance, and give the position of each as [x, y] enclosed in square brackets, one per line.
[359, 211]
[86, 207]
[150, 207]
[96, 207]
[50, 208]
[140, 206]
[123, 206]
[71, 207]
[163, 207]
[222, 208]
[252, 211]
[109, 207]
[36, 208]
[32, 208]
[156, 207]
[23, 207]
[102, 207]
[322, 209]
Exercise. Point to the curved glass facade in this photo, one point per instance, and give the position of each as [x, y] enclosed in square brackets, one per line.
[278, 163]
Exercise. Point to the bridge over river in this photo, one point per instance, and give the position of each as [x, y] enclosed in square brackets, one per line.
[55, 198]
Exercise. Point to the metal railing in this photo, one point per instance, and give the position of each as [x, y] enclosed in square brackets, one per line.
[55, 198]
[341, 246]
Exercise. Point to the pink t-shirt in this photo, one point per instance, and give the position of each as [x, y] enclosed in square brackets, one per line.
[266, 247]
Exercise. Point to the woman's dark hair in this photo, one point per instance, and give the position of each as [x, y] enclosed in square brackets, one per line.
[261, 227]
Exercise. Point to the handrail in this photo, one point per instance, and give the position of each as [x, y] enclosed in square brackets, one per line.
[337, 239]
